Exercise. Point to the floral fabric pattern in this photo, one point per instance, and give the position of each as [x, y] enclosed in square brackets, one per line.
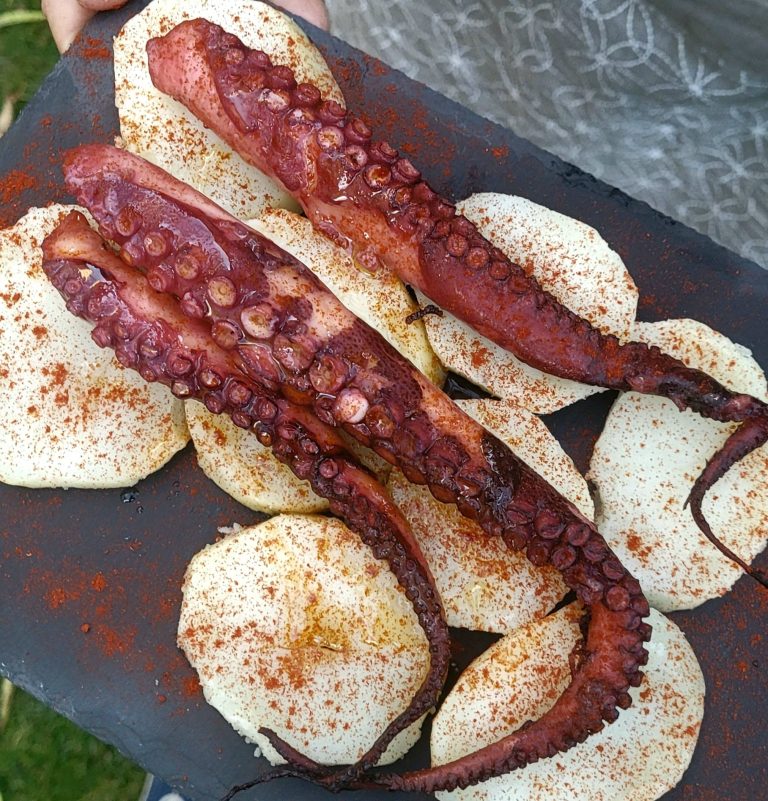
[643, 95]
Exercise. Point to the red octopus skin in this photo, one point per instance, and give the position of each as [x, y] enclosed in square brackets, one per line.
[308, 349]
[363, 195]
[150, 334]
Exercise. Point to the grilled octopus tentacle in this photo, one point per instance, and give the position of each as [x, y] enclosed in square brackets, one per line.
[363, 195]
[149, 333]
[286, 331]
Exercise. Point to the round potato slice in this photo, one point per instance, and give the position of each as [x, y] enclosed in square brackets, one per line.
[637, 758]
[70, 416]
[237, 462]
[484, 585]
[528, 437]
[646, 461]
[163, 131]
[294, 626]
[569, 259]
[380, 300]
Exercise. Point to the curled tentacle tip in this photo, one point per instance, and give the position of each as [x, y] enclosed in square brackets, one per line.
[277, 773]
[287, 772]
[760, 576]
[751, 434]
[695, 499]
[301, 765]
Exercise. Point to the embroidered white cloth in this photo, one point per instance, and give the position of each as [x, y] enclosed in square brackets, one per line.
[666, 100]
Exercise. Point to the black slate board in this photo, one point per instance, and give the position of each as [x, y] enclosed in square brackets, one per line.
[90, 581]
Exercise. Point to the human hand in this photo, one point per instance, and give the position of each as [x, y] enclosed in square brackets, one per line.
[67, 17]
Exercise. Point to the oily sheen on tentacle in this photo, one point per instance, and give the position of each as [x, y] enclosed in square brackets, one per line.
[149, 333]
[364, 196]
[288, 332]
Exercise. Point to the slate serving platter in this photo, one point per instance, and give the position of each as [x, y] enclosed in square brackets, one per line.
[90, 580]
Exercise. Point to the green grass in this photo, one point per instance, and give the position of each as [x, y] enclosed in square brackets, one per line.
[44, 757]
[27, 51]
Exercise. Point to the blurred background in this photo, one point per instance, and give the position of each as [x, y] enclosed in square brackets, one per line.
[665, 99]
[668, 100]
[27, 53]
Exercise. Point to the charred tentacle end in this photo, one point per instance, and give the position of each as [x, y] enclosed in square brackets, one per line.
[331, 778]
[752, 434]
[271, 775]
[297, 762]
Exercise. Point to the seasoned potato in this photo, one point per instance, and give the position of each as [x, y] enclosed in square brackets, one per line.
[646, 461]
[71, 416]
[637, 758]
[294, 626]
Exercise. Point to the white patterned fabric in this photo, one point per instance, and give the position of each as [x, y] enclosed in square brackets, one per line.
[666, 100]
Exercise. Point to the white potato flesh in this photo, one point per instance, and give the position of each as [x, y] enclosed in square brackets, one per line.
[294, 626]
[381, 300]
[570, 260]
[646, 461]
[527, 436]
[483, 584]
[71, 416]
[241, 466]
[566, 256]
[638, 758]
[163, 131]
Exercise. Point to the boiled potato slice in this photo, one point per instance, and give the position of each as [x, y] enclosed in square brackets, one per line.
[294, 626]
[637, 758]
[380, 300]
[238, 463]
[163, 131]
[528, 437]
[646, 461]
[484, 585]
[570, 260]
[241, 466]
[70, 416]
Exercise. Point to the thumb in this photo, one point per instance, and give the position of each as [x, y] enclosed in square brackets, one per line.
[67, 17]
[101, 5]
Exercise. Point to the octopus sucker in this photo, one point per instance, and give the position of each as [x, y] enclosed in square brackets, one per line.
[343, 177]
[81, 265]
[377, 397]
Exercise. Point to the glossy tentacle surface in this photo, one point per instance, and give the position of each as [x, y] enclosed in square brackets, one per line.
[286, 332]
[363, 195]
[150, 333]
